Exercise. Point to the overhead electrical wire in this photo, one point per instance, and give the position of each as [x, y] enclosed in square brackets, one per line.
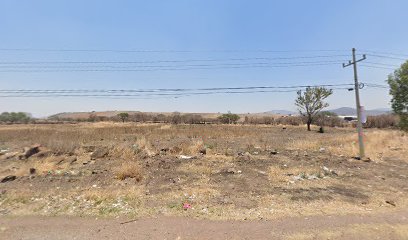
[164, 51]
[166, 69]
[159, 93]
[168, 61]
[177, 89]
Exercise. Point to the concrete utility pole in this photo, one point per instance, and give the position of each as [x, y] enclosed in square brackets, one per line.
[356, 89]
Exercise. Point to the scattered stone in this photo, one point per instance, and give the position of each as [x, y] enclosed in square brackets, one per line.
[29, 151]
[231, 170]
[312, 177]
[186, 157]
[244, 156]
[229, 152]
[100, 152]
[32, 170]
[322, 149]
[261, 172]
[89, 148]
[164, 151]
[328, 171]
[8, 178]
[255, 153]
[3, 151]
[392, 203]
[274, 152]
[203, 151]
[395, 148]
[366, 159]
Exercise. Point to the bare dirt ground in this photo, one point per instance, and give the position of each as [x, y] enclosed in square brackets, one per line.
[393, 225]
[192, 175]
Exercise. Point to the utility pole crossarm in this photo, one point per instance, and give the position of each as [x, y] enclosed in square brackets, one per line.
[351, 63]
[358, 106]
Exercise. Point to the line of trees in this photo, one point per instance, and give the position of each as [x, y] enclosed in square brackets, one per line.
[14, 117]
[323, 118]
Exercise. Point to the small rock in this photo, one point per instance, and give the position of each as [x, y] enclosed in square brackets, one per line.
[32, 170]
[29, 151]
[8, 179]
[100, 152]
[203, 151]
[231, 170]
[261, 172]
[312, 177]
[274, 152]
[322, 149]
[186, 157]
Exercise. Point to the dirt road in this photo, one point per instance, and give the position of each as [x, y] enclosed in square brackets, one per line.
[377, 226]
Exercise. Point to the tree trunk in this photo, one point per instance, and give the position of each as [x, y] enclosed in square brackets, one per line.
[309, 122]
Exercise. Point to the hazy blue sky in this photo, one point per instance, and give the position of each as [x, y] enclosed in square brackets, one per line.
[206, 29]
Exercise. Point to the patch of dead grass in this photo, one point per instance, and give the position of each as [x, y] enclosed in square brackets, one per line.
[378, 144]
[129, 169]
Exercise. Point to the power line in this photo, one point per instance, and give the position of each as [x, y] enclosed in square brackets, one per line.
[171, 92]
[385, 53]
[379, 67]
[388, 57]
[161, 51]
[187, 65]
[152, 94]
[170, 68]
[176, 89]
[166, 61]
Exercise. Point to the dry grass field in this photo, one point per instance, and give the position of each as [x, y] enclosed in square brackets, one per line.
[218, 172]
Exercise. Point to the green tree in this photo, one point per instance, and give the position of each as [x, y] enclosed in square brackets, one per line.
[123, 116]
[14, 117]
[398, 82]
[229, 118]
[311, 102]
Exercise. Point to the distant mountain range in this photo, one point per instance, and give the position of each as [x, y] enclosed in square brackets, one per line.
[282, 112]
[343, 111]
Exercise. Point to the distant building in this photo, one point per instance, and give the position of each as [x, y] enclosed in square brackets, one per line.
[349, 118]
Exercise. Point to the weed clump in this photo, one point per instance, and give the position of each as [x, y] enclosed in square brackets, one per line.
[129, 169]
